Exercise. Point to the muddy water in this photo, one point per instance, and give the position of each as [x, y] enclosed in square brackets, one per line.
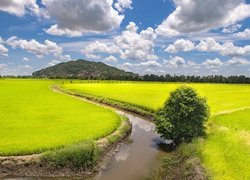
[136, 158]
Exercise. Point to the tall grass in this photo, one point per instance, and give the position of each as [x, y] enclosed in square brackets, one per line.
[84, 155]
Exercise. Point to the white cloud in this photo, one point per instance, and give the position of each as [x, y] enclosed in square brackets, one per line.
[175, 62]
[212, 63]
[244, 34]
[54, 62]
[128, 45]
[98, 46]
[227, 48]
[3, 50]
[149, 64]
[122, 4]
[65, 57]
[3, 66]
[54, 30]
[238, 61]
[92, 56]
[209, 45]
[136, 46]
[19, 7]
[1, 40]
[111, 59]
[180, 45]
[26, 59]
[25, 67]
[35, 47]
[74, 18]
[197, 16]
[127, 64]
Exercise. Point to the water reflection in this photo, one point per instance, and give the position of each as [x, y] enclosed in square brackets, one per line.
[123, 154]
[135, 160]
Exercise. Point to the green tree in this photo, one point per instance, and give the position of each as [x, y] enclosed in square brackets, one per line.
[183, 116]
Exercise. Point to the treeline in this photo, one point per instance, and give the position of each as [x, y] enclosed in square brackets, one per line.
[164, 78]
[201, 79]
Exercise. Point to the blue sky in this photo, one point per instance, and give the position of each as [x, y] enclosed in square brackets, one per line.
[193, 37]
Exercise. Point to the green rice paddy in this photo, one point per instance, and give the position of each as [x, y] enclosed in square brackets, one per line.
[34, 119]
[220, 97]
[225, 152]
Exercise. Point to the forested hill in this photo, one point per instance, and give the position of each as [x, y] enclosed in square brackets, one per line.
[82, 69]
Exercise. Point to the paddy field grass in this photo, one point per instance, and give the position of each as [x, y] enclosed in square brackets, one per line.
[220, 97]
[225, 152]
[35, 119]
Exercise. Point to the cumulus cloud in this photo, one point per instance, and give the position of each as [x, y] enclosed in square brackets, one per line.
[244, 34]
[127, 64]
[136, 46]
[123, 4]
[212, 63]
[175, 62]
[129, 45]
[196, 16]
[65, 57]
[54, 62]
[111, 59]
[3, 50]
[180, 45]
[19, 7]
[226, 48]
[35, 47]
[92, 56]
[238, 61]
[149, 64]
[74, 18]
[98, 46]
[209, 45]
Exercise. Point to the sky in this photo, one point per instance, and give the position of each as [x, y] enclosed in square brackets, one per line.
[190, 37]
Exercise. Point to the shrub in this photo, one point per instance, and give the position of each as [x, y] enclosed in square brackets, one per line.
[183, 116]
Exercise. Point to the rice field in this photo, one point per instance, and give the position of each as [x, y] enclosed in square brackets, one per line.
[221, 97]
[225, 152]
[35, 119]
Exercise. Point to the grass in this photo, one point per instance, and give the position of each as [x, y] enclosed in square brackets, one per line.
[224, 153]
[84, 156]
[35, 119]
[220, 97]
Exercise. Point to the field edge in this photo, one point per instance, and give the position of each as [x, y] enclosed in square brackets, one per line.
[133, 108]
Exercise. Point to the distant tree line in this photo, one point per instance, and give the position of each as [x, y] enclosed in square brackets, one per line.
[162, 78]
[202, 79]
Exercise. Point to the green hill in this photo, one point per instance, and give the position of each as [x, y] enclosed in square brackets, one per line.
[82, 69]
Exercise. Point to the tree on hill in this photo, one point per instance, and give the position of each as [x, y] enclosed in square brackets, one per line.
[183, 116]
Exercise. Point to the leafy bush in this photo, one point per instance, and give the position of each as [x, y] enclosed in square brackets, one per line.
[183, 116]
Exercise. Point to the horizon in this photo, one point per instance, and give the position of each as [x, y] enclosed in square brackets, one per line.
[160, 37]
